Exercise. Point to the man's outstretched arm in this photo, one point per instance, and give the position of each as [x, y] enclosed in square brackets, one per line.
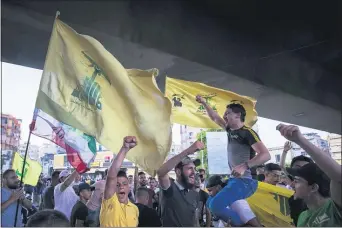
[111, 181]
[68, 181]
[214, 116]
[325, 162]
[163, 171]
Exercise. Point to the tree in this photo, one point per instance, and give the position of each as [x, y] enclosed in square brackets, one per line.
[202, 136]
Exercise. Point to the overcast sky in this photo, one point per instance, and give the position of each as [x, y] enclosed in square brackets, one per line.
[19, 92]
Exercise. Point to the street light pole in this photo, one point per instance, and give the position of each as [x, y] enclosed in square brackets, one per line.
[202, 150]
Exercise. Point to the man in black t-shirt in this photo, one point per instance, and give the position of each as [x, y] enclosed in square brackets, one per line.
[148, 217]
[245, 151]
[79, 212]
[179, 202]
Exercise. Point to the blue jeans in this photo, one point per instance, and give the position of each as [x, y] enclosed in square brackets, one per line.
[236, 189]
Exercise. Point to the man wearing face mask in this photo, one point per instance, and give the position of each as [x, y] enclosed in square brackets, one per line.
[11, 192]
[179, 202]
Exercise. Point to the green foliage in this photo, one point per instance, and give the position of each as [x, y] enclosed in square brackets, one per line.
[202, 136]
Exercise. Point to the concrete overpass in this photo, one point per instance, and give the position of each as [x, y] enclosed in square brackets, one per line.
[287, 55]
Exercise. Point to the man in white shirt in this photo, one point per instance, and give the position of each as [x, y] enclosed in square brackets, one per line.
[64, 194]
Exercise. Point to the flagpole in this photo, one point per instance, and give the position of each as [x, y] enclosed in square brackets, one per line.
[28, 141]
[22, 177]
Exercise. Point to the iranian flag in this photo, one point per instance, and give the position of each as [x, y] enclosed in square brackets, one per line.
[80, 147]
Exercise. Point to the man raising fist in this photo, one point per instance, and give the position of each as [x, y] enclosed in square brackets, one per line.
[116, 209]
[312, 183]
[178, 201]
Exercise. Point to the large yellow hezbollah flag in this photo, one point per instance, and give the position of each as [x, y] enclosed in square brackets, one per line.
[270, 205]
[86, 87]
[31, 172]
[185, 109]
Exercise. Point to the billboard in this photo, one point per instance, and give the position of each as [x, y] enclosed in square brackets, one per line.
[217, 153]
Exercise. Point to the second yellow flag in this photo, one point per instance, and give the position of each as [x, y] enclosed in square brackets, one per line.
[185, 109]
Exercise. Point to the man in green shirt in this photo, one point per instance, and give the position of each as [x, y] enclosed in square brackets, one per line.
[312, 184]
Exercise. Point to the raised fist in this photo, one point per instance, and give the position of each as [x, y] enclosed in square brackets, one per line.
[129, 142]
[196, 146]
[200, 99]
[290, 132]
[287, 146]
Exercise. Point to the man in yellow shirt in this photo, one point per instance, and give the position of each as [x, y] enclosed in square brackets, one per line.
[116, 209]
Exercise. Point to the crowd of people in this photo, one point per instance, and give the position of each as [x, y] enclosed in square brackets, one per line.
[193, 198]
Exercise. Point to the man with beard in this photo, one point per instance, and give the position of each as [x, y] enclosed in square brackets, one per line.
[116, 209]
[179, 202]
[143, 184]
[10, 194]
[245, 151]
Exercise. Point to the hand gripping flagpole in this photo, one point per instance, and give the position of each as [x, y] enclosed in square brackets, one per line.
[27, 146]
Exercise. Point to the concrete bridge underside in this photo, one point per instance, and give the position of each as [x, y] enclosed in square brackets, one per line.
[287, 55]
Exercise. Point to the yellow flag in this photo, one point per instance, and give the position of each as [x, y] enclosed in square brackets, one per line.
[31, 172]
[270, 204]
[86, 87]
[185, 109]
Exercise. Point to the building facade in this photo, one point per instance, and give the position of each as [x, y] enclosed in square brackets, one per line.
[32, 151]
[315, 139]
[335, 146]
[188, 137]
[10, 132]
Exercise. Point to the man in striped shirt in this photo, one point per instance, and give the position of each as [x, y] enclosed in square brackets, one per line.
[245, 151]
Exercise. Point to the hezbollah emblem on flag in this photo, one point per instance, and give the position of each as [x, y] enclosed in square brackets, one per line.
[90, 91]
[177, 100]
[208, 99]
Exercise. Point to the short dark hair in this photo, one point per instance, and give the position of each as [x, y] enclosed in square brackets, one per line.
[122, 174]
[142, 192]
[238, 108]
[201, 170]
[55, 174]
[272, 166]
[301, 158]
[7, 172]
[46, 218]
[141, 173]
